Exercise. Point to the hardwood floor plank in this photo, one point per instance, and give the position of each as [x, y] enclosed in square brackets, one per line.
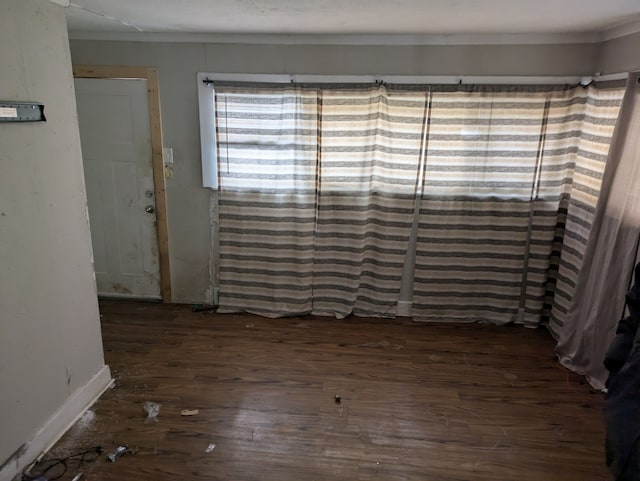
[434, 402]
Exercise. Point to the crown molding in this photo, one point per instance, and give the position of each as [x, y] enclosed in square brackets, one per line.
[622, 30]
[276, 39]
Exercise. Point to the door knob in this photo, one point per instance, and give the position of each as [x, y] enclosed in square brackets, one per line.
[149, 209]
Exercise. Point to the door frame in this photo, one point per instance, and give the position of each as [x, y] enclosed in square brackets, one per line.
[150, 74]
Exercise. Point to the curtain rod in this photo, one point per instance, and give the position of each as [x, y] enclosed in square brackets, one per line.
[210, 78]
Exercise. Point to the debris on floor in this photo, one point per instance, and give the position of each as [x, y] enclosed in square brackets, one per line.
[189, 412]
[120, 451]
[86, 419]
[152, 409]
[337, 399]
[210, 448]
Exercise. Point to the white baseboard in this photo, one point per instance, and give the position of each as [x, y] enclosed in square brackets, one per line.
[59, 423]
[404, 308]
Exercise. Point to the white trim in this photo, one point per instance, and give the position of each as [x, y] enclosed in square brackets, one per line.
[404, 308]
[342, 39]
[59, 423]
[208, 148]
[627, 28]
[216, 296]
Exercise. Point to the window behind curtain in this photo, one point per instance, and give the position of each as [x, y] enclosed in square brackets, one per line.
[318, 188]
[511, 183]
[369, 157]
[317, 194]
[267, 152]
[482, 163]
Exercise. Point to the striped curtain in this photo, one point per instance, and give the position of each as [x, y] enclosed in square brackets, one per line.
[267, 165]
[317, 194]
[319, 186]
[511, 181]
[598, 115]
[369, 156]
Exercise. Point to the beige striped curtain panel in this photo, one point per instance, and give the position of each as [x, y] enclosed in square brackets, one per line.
[511, 182]
[599, 114]
[319, 185]
[267, 163]
[317, 193]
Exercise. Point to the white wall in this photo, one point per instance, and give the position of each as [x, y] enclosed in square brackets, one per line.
[178, 63]
[51, 359]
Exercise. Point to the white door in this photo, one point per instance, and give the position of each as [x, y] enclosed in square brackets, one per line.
[116, 151]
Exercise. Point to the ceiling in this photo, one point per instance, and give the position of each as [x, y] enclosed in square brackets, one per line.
[351, 17]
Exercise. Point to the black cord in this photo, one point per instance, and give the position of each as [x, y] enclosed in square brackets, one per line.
[80, 457]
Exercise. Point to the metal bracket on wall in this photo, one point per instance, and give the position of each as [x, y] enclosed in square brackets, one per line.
[21, 112]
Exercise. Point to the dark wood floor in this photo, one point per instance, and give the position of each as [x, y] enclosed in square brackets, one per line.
[428, 402]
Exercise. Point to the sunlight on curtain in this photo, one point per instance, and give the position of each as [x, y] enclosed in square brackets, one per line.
[267, 205]
[503, 166]
[588, 323]
[317, 192]
[319, 186]
[481, 162]
[369, 160]
[599, 114]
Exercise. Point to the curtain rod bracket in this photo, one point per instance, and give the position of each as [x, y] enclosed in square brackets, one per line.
[586, 81]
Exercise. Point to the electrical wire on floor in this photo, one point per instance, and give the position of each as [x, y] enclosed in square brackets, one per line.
[56, 468]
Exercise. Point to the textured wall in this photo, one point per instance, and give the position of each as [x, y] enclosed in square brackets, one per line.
[50, 342]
